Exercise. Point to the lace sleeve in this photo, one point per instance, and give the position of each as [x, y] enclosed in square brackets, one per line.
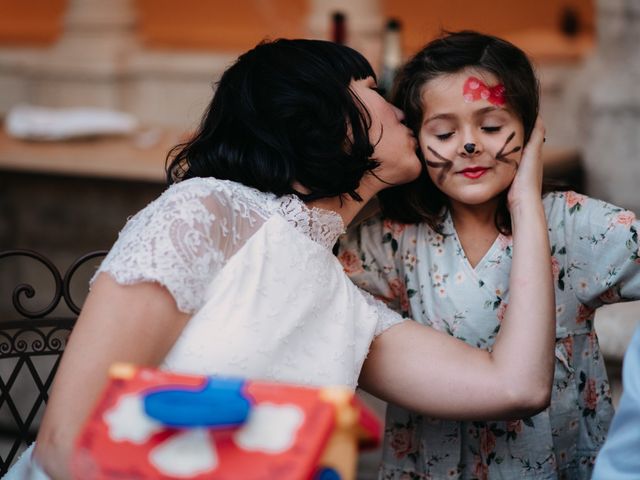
[182, 239]
[386, 318]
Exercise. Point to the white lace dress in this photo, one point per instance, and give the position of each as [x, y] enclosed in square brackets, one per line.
[268, 297]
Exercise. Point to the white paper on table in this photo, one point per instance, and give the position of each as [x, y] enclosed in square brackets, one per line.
[40, 123]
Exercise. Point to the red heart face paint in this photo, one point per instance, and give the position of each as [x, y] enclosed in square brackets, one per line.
[475, 89]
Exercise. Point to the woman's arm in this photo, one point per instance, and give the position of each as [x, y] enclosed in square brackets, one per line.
[134, 323]
[424, 370]
[151, 282]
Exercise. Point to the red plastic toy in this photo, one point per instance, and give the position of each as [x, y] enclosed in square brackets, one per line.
[152, 424]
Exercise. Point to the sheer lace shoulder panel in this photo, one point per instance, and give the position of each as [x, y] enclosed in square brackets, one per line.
[321, 226]
[183, 238]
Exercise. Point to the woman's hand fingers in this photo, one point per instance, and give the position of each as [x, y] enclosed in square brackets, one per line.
[528, 179]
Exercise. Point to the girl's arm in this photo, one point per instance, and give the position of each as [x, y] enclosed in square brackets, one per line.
[428, 371]
[133, 323]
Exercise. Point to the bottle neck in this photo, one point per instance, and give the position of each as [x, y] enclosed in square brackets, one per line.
[391, 50]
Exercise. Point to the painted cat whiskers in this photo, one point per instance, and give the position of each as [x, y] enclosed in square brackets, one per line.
[446, 165]
[501, 156]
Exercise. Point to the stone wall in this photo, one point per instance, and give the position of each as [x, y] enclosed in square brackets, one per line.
[62, 218]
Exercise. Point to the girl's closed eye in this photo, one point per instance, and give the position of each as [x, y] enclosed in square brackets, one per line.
[491, 128]
[443, 136]
[380, 91]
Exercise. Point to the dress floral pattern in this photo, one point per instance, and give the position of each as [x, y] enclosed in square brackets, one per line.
[426, 275]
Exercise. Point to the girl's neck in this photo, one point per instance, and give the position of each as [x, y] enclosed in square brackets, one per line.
[476, 228]
[467, 216]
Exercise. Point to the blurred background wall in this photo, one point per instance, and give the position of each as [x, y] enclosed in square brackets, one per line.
[159, 47]
[159, 60]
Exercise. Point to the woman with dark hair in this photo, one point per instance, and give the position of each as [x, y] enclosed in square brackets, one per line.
[443, 252]
[231, 271]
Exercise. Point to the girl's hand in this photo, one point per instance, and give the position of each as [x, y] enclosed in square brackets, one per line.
[527, 184]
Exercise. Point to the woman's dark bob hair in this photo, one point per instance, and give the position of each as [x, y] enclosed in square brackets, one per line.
[421, 200]
[284, 113]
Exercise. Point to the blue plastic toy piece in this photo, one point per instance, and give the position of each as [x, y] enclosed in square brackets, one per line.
[326, 473]
[219, 404]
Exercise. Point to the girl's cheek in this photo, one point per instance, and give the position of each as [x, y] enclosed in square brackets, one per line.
[422, 140]
[434, 175]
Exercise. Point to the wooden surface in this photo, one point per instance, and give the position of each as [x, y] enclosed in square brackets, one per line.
[132, 158]
[125, 157]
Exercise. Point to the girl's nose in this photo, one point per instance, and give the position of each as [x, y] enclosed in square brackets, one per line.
[469, 147]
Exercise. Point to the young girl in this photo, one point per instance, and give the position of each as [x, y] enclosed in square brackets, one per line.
[442, 252]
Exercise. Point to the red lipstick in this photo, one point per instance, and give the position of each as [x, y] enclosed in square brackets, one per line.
[473, 172]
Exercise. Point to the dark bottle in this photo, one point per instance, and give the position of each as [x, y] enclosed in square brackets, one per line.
[570, 24]
[339, 28]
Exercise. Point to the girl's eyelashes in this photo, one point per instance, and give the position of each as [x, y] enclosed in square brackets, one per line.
[444, 136]
[486, 129]
[380, 91]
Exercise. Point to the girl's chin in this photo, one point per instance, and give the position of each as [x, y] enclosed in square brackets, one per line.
[476, 199]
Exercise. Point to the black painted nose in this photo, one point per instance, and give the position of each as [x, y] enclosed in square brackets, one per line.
[470, 147]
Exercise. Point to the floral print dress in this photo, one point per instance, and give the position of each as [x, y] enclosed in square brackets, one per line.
[425, 275]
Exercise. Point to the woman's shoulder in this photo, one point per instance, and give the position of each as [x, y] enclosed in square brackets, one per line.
[215, 195]
[206, 186]
[200, 203]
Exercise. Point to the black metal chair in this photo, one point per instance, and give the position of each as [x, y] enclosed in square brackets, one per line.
[31, 345]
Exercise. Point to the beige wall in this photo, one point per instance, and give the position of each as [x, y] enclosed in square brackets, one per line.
[423, 19]
[239, 24]
[34, 22]
[219, 24]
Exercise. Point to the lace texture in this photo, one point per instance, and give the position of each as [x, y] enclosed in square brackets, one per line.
[386, 318]
[182, 239]
[322, 226]
[269, 298]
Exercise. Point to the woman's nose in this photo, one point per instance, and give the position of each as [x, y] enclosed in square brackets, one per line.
[399, 113]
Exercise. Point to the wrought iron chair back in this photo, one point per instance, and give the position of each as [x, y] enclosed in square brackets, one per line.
[29, 342]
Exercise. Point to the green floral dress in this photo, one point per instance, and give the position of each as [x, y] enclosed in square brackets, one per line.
[425, 275]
